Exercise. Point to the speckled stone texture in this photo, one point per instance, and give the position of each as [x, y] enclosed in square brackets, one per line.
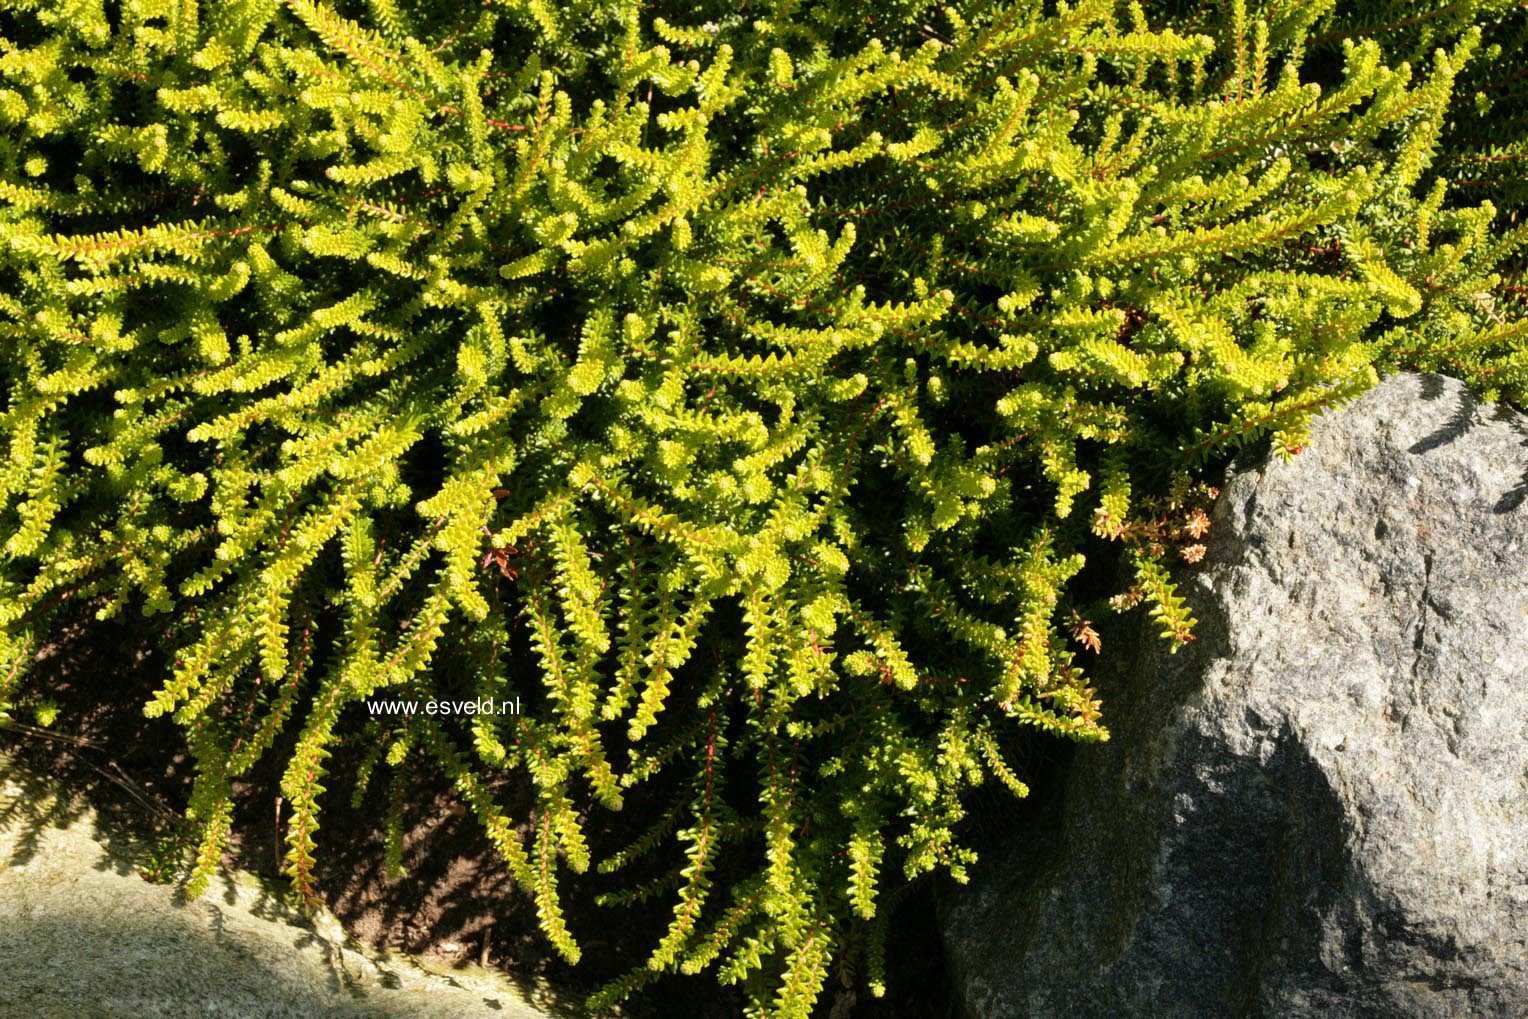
[1320, 807]
[82, 936]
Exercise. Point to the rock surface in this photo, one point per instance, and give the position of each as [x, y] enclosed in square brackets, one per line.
[82, 936]
[1320, 807]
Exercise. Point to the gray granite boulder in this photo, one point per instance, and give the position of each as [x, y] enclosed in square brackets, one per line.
[1320, 807]
[82, 936]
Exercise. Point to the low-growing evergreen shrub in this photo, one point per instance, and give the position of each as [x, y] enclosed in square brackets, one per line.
[739, 385]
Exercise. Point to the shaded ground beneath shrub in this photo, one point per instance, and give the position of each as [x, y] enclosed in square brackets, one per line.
[85, 937]
[456, 903]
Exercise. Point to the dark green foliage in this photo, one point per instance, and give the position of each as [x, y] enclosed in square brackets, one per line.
[739, 386]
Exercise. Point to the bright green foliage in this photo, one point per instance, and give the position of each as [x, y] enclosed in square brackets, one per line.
[741, 391]
[1454, 231]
